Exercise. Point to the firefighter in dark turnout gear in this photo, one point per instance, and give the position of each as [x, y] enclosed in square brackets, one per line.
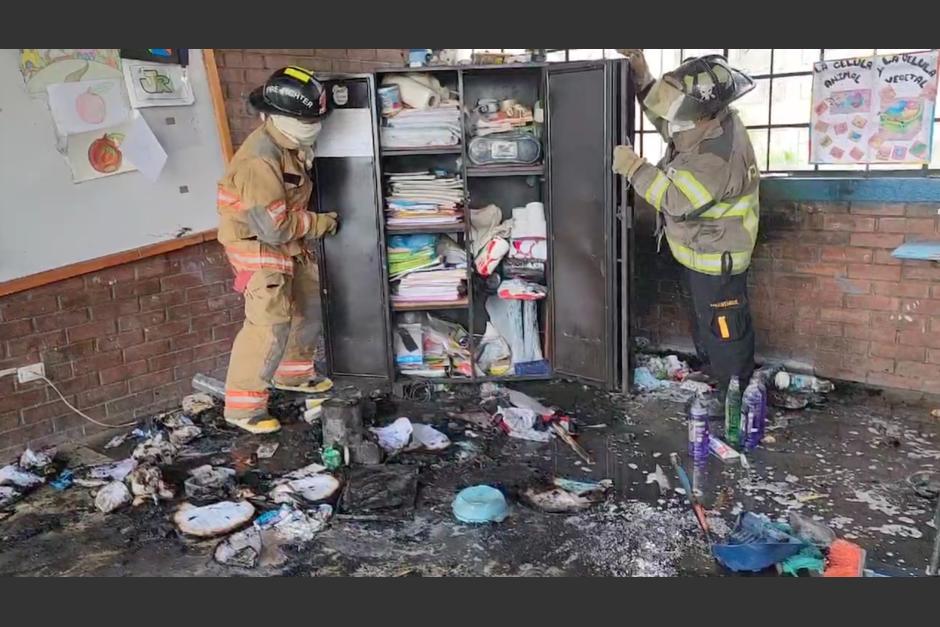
[705, 192]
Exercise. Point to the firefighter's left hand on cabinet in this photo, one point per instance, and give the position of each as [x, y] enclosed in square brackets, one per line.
[626, 161]
[325, 224]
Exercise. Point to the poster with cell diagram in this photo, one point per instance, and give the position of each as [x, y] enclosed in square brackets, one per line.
[157, 84]
[877, 109]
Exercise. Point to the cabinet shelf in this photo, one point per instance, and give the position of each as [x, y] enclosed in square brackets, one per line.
[513, 377]
[428, 228]
[506, 170]
[422, 150]
[463, 303]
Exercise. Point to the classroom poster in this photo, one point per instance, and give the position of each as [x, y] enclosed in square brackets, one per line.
[877, 109]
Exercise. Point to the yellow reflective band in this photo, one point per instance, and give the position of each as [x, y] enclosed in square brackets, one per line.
[707, 263]
[696, 192]
[298, 74]
[750, 222]
[654, 194]
[738, 209]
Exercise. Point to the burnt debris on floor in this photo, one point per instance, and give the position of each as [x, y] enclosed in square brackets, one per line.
[584, 489]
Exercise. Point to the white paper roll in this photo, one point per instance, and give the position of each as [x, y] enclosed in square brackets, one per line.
[413, 93]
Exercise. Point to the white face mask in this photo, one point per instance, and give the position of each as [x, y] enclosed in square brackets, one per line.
[676, 127]
[304, 133]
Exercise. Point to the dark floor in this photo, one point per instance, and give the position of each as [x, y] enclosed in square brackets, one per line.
[846, 463]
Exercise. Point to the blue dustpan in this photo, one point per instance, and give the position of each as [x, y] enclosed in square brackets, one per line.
[755, 544]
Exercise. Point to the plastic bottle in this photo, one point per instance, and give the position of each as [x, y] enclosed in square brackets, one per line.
[209, 385]
[733, 412]
[698, 431]
[762, 384]
[785, 381]
[332, 458]
[753, 413]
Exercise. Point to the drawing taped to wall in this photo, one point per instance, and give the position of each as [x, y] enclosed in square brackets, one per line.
[42, 67]
[157, 85]
[97, 154]
[87, 105]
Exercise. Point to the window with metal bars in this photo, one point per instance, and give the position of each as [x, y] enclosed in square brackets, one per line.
[776, 112]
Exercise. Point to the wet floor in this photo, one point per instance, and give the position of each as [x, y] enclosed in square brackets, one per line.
[845, 463]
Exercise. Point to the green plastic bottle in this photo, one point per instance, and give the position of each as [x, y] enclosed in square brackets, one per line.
[733, 412]
[332, 458]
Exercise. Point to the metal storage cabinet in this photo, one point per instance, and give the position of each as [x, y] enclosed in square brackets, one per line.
[585, 321]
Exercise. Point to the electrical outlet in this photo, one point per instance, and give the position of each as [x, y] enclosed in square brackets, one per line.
[31, 372]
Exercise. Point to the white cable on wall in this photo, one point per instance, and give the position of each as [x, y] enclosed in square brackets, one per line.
[85, 416]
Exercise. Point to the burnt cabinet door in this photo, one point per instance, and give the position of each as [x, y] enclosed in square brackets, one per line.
[351, 263]
[584, 119]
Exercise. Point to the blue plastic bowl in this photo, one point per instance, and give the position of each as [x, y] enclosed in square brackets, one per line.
[480, 504]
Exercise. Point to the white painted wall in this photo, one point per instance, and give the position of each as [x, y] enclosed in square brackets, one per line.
[47, 221]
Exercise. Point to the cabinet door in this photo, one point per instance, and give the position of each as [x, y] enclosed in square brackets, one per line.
[625, 99]
[351, 263]
[582, 124]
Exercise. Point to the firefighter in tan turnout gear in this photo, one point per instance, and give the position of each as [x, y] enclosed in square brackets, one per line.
[705, 195]
[264, 226]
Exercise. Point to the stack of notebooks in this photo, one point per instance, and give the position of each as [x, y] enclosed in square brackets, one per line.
[415, 128]
[424, 269]
[444, 285]
[424, 198]
[407, 253]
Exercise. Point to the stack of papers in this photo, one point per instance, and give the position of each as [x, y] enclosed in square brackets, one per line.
[500, 122]
[433, 285]
[424, 198]
[414, 128]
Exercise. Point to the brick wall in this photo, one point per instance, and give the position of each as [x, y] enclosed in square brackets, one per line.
[826, 293]
[120, 343]
[243, 69]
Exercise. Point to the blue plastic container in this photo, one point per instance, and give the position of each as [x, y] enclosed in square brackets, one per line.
[480, 504]
[756, 544]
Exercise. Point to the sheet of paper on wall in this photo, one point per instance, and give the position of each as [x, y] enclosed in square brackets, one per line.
[97, 154]
[87, 105]
[346, 133]
[178, 56]
[142, 149]
[157, 84]
[42, 67]
[877, 109]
